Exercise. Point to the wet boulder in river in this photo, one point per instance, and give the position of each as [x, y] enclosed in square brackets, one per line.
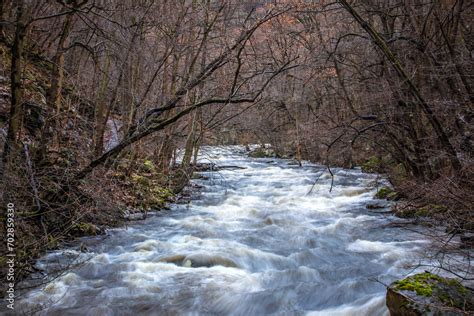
[205, 260]
[262, 152]
[200, 260]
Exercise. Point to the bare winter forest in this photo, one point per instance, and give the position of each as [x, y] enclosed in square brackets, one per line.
[106, 105]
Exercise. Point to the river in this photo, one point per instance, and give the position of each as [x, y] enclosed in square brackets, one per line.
[267, 238]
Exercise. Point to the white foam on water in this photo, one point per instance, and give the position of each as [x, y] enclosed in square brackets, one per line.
[375, 306]
[267, 239]
[372, 246]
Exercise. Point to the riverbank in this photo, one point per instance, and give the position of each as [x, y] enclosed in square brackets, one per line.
[127, 191]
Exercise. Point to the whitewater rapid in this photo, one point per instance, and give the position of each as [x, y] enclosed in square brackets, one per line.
[267, 238]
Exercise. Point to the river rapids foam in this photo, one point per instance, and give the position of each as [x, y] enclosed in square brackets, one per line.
[264, 239]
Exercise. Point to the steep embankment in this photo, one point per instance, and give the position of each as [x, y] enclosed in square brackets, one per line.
[49, 207]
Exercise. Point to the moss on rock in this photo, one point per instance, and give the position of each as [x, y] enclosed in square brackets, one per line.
[149, 166]
[53, 242]
[262, 153]
[87, 229]
[371, 165]
[428, 293]
[411, 211]
[386, 193]
[419, 283]
[147, 189]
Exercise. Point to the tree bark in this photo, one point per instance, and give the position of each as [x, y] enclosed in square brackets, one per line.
[190, 140]
[16, 111]
[57, 76]
[101, 109]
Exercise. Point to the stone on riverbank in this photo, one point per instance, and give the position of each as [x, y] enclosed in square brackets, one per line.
[429, 294]
[408, 210]
[133, 215]
[262, 153]
[386, 193]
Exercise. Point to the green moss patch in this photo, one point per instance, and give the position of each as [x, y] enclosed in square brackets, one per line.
[386, 193]
[441, 291]
[421, 284]
[81, 229]
[376, 164]
[262, 153]
[410, 211]
[148, 166]
[430, 210]
[145, 187]
[371, 165]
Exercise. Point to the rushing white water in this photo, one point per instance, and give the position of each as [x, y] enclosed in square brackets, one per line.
[259, 240]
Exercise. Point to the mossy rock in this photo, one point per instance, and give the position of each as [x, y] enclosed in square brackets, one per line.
[386, 193]
[429, 294]
[371, 165]
[139, 179]
[430, 210]
[120, 175]
[149, 166]
[158, 197]
[198, 176]
[257, 154]
[421, 284]
[144, 186]
[149, 193]
[85, 229]
[53, 242]
[262, 153]
[406, 212]
[384, 164]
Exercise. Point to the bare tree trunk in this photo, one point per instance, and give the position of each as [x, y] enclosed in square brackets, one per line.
[167, 149]
[57, 78]
[53, 96]
[4, 9]
[16, 112]
[198, 138]
[101, 110]
[190, 140]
